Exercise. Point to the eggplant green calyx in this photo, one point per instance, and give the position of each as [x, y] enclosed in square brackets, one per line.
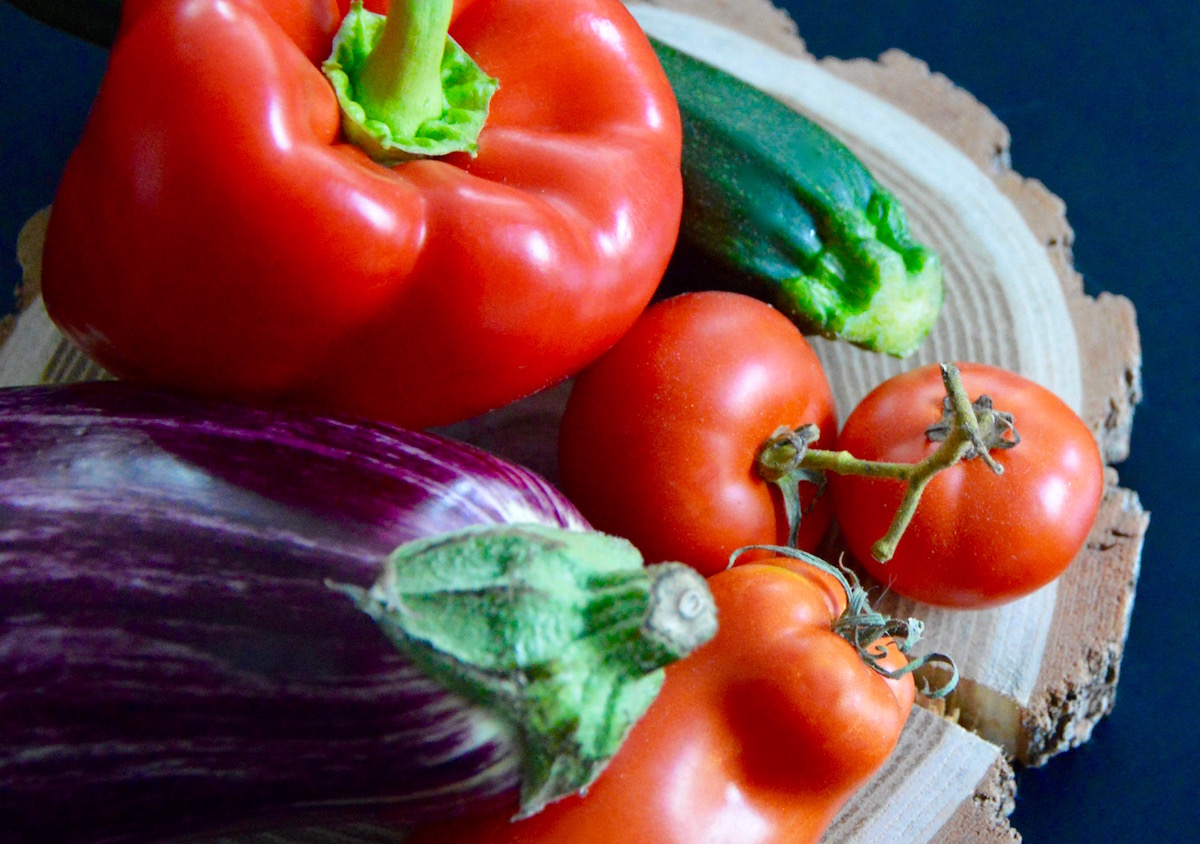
[406, 89]
[561, 634]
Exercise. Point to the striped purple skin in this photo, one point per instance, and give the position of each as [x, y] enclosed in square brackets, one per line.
[171, 657]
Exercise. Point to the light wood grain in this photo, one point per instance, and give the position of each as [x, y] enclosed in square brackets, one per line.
[938, 769]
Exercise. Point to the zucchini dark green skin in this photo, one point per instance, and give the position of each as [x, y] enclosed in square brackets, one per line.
[781, 209]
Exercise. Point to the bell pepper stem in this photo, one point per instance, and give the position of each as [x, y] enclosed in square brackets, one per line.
[405, 88]
[402, 76]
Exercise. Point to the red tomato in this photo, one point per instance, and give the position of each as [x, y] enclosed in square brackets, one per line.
[977, 539]
[659, 437]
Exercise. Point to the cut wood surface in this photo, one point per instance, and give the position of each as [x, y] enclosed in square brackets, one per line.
[1039, 673]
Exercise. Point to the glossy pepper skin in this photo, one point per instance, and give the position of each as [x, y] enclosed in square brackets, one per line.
[214, 232]
[758, 737]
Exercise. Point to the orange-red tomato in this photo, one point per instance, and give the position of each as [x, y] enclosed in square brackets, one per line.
[977, 539]
[758, 737]
[659, 437]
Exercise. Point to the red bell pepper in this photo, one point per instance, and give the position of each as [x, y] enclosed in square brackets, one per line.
[758, 737]
[216, 231]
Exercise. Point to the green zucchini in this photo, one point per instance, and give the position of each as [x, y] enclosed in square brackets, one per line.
[777, 207]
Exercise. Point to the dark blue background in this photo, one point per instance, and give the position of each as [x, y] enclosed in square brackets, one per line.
[1103, 103]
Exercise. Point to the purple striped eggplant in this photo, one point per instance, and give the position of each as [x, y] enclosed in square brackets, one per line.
[213, 615]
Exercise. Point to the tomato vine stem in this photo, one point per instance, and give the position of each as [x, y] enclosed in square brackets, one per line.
[966, 430]
[867, 629]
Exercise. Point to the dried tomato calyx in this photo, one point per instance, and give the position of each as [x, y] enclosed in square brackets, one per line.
[561, 636]
[869, 631]
[780, 462]
[986, 427]
[965, 431]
